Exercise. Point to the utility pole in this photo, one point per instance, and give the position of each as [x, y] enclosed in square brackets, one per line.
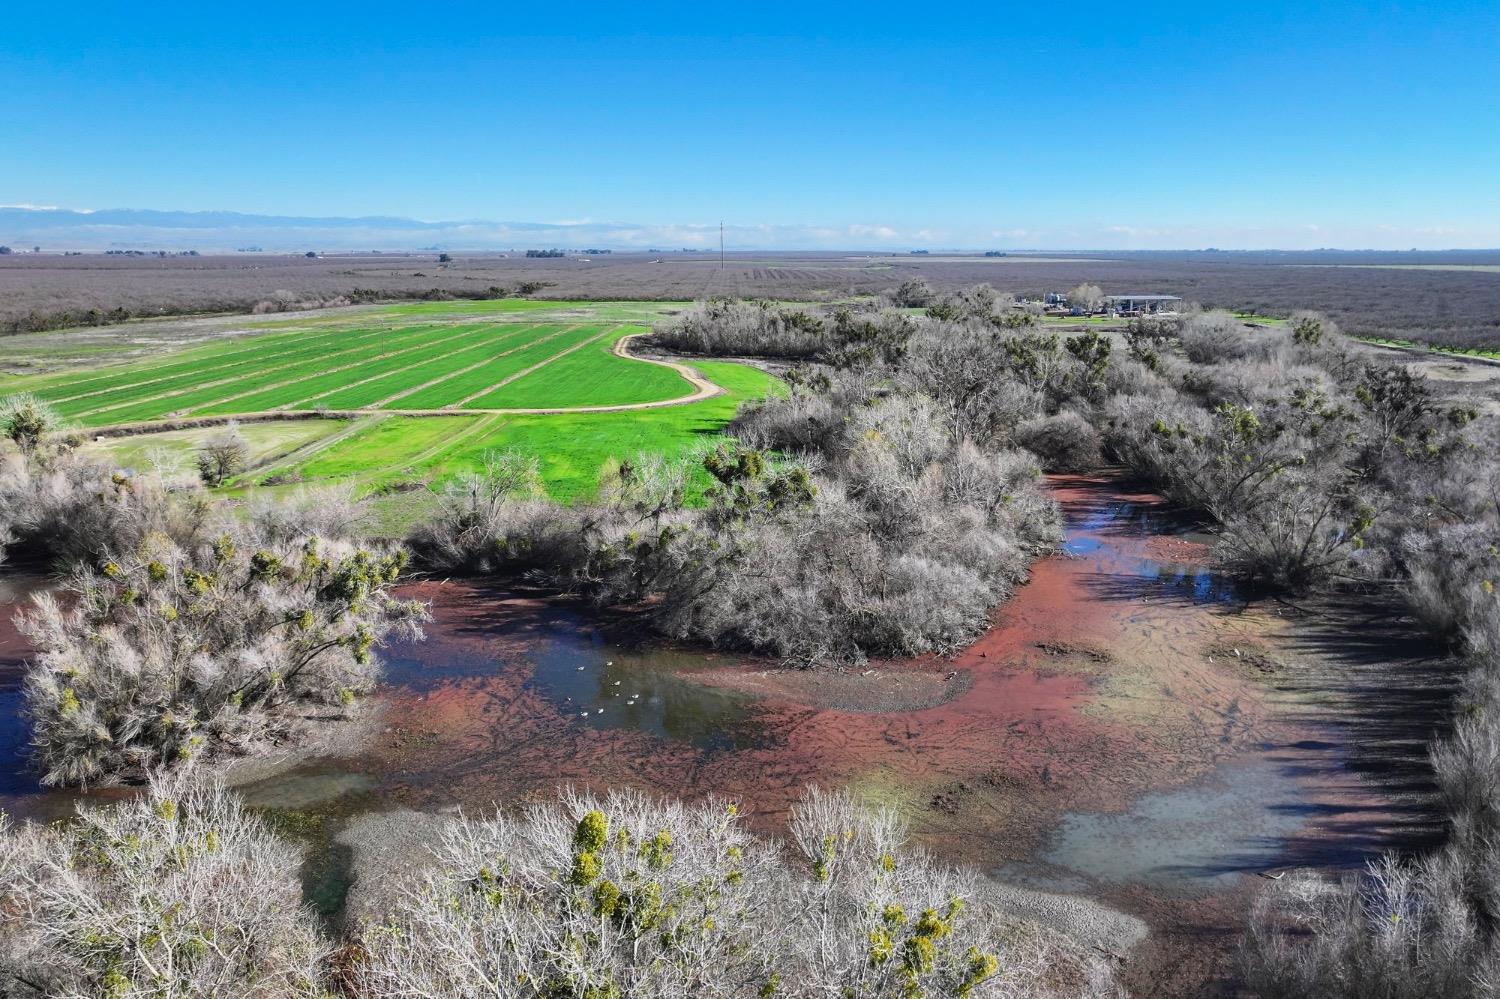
[721, 244]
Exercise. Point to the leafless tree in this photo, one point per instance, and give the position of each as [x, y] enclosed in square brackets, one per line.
[222, 455]
[1087, 297]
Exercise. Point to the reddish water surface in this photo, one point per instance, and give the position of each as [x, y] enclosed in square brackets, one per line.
[1128, 728]
[1090, 689]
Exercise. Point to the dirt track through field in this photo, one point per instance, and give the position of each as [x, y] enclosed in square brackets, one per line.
[305, 451]
[482, 423]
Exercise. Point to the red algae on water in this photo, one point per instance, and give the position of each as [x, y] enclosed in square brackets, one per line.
[1091, 688]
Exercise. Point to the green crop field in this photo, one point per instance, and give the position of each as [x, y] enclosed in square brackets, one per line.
[438, 356]
[414, 395]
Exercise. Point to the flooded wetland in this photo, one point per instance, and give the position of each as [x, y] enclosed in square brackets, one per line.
[1131, 729]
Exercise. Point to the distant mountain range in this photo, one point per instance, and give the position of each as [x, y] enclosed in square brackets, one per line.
[58, 229]
[147, 229]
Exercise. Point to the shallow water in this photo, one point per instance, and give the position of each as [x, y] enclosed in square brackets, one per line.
[16, 779]
[1095, 741]
[1204, 834]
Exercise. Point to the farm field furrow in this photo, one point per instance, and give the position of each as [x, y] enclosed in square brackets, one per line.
[548, 355]
[312, 381]
[455, 390]
[208, 359]
[391, 443]
[571, 447]
[367, 392]
[594, 376]
[263, 366]
[495, 395]
[213, 361]
[179, 402]
[574, 447]
[198, 356]
[426, 356]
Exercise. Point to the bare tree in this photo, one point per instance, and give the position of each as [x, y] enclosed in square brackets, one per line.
[222, 456]
[1088, 297]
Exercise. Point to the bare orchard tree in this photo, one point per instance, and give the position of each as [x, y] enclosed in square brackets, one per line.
[222, 456]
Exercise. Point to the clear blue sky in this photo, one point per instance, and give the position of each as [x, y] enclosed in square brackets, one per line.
[1032, 124]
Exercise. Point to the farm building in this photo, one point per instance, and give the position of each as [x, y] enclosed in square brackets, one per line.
[1137, 304]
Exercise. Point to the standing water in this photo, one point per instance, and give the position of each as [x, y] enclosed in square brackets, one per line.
[1125, 724]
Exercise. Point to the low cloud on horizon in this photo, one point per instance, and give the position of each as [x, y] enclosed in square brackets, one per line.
[71, 229]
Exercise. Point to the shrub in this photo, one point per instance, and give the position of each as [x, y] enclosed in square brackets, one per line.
[979, 302]
[987, 384]
[1064, 442]
[722, 327]
[913, 293]
[1292, 510]
[329, 512]
[902, 548]
[1216, 337]
[26, 420]
[810, 418]
[69, 507]
[901, 545]
[863, 338]
[172, 651]
[178, 891]
[1401, 931]
[628, 896]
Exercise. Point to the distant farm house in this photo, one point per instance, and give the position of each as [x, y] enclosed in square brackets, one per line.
[1135, 305]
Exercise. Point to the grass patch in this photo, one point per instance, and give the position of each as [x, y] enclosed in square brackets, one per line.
[594, 376]
[548, 341]
[176, 450]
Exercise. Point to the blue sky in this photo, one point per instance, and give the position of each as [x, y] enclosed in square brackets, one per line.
[1039, 125]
